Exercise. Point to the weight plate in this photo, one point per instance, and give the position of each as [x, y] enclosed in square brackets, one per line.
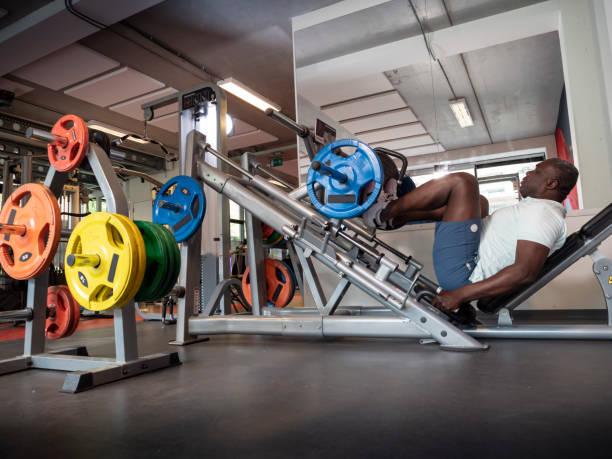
[280, 284]
[266, 231]
[274, 239]
[175, 260]
[157, 262]
[139, 267]
[68, 158]
[75, 306]
[293, 278]
[29, 255]
[181, 205]
[60, 313]
[343, 199]
[119, 247]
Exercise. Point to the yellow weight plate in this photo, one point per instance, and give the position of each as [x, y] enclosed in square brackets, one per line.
[100, 258]
[141, 257]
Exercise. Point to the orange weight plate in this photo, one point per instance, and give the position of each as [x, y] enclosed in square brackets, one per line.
[35, 208]
[69, 157]
[61, 313]
[279, 284]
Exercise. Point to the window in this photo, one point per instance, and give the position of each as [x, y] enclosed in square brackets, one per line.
[237, 232]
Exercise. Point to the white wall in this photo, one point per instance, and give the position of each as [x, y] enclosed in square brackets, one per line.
[307, 114]
[576, 288]
[140, 198]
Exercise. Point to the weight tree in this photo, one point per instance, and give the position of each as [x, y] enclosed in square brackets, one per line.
[85, 372]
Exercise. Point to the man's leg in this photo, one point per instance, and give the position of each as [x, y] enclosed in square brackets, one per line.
[456, 194]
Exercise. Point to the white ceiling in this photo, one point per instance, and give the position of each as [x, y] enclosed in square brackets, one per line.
[503, 56]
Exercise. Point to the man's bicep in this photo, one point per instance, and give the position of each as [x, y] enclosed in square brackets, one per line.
[530, 256]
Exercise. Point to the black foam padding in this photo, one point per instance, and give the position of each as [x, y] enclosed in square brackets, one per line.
[598, 223]
[341, 198]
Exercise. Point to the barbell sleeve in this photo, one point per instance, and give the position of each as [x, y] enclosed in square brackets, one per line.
[170, 206]
[83, 260]
[6, 228]
[333, 173]
[44, 136]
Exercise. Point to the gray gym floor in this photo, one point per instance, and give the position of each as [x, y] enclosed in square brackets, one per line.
[248, 396]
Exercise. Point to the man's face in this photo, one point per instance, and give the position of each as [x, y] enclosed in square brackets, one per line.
[535, 181]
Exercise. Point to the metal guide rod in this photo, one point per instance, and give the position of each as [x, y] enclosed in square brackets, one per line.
[256, 165]
[18, 314]
[83, 260]
[283, 119]
[44, 136]
[19, 230]
[270, 189]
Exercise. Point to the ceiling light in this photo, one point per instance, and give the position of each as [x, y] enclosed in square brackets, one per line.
[112, 130]
[462, 112]
[248, 95]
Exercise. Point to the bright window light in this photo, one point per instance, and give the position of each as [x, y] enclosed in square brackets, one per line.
[112, 130]
[462, 112]
[248, 95]
[229, 124]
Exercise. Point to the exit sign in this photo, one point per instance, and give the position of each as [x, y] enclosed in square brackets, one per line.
[276, 162]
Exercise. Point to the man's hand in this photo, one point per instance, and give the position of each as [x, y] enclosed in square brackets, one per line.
[448, 300]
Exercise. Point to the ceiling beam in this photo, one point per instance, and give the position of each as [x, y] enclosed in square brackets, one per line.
[470, 36]
[52, 27]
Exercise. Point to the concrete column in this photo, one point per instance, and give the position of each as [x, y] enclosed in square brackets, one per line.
[589, 113]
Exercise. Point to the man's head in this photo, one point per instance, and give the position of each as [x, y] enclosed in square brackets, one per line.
[551, 179]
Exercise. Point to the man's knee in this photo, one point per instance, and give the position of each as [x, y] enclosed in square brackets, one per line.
[484, 206]
[465, 180]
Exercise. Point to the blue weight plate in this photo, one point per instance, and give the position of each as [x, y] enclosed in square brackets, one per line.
[181, 205]
[342, 198]
[293, 278]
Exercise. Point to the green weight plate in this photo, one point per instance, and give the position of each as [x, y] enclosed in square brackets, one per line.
[156, 265]
[162, 288]
[175, 259]
[274, 239]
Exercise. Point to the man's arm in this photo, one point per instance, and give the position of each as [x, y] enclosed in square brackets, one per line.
[530, 257]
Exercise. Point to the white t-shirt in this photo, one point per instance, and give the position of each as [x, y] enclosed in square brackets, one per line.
[536, 220]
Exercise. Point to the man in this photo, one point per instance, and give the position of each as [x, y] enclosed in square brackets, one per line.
[475, 255]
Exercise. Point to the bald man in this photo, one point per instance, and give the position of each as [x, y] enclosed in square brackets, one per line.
[475, 255]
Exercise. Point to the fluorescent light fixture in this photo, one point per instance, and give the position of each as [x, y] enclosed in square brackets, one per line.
[245, 93]
[462, 112]
[229, 124]
[112, 130]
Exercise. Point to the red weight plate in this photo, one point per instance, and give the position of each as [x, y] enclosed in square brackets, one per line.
[70, 156]
[76, 308]
[279, 284]
[61, 314]
[34, 207]
[266, 231]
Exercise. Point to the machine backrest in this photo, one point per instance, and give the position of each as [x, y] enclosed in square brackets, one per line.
[573, 243]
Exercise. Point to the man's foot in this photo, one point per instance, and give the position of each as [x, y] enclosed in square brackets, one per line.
[372, 216]
[464, 316]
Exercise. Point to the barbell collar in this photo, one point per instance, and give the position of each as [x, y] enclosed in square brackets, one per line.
[83, 260]
[44, 136]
